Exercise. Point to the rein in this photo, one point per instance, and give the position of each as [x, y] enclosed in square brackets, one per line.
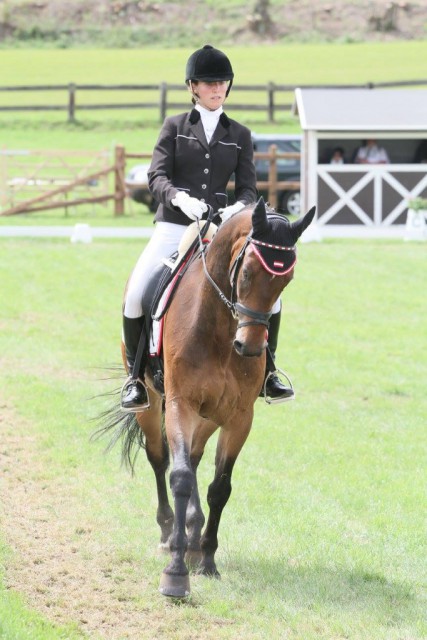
[235, 307]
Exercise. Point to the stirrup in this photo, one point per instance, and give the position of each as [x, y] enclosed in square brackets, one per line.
[138, 408]
[269, 400]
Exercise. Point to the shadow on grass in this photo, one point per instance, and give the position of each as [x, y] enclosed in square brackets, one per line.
[318, 587]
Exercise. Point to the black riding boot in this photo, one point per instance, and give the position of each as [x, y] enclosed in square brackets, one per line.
[134, 396]
[273, 386]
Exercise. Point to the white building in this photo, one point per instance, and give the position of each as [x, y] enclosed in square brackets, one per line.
[362, 199]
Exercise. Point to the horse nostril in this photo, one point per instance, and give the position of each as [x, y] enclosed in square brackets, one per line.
[238, 347]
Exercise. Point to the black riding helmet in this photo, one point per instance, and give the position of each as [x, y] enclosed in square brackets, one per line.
[209, 65]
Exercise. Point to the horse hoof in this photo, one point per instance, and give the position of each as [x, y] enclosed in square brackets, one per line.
[174, 586]
[193, 558]
[208, 571]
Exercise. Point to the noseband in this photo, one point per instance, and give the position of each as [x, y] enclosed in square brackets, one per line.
[236, 308]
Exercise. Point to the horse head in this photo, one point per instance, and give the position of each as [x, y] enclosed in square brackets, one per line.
[263, 268]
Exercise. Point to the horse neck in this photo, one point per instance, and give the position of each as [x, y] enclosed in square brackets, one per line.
[223, 247]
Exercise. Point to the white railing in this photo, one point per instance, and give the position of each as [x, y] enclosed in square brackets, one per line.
[388, 188]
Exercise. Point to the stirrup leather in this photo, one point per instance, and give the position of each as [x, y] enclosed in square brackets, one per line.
[269, 400]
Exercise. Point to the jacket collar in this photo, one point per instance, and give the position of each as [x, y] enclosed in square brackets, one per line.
[197, 126]
[194, 117]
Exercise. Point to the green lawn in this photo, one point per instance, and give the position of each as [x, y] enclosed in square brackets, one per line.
[323, 536]
[293, 63]
[288, 64]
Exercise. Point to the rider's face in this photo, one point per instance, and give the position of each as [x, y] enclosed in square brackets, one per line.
[211, 94]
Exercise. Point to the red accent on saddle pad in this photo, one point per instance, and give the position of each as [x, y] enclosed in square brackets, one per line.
[166, 295]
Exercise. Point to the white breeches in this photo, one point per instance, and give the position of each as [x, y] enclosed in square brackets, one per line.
[164, 241]
[276, 306]
[162, 244]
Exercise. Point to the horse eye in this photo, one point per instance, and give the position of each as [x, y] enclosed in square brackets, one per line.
[245, 274]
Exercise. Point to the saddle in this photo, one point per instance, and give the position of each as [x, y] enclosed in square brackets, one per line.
[158, 294]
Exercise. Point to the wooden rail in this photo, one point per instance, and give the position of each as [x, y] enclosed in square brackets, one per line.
[42, 180]
[46, 185]
[272, 185]
[269, 104]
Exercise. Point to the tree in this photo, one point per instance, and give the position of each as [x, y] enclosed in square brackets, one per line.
[259, 21]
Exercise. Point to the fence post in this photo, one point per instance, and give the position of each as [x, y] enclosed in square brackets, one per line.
[71, 102]
[119, 180]
[3, 179]
[272, 176]
[163, 100]
[270, 89]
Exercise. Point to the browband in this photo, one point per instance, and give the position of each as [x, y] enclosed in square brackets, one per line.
[276, 247]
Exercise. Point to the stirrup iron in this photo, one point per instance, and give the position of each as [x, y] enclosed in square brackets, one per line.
[138, 408]
[277, 372]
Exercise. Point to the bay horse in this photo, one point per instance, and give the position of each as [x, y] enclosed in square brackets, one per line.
[214, 350]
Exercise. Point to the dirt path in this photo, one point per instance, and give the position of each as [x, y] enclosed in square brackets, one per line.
[60, 569]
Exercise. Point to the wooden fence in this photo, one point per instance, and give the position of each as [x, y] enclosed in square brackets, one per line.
[43, 180]
[39, 181]
[272, 185]
[270, 101]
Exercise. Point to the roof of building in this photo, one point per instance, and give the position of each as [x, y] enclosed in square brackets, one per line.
[362, 109]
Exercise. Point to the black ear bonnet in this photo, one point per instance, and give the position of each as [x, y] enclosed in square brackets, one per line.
[274, 246]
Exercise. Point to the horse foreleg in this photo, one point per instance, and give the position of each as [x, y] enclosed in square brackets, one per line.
[194, 520]
[175, 580]
[219, 491]
[218, 494]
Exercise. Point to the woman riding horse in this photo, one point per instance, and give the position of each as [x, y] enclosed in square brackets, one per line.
[214, 346]
[194, 158]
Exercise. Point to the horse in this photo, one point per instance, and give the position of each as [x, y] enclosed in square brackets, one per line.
[214, 352]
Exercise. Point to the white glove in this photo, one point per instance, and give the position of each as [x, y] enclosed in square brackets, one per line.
[227, 212]
[192, 207]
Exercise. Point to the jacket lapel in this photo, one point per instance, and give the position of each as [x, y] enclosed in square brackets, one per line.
[221, 130]
[197, 129]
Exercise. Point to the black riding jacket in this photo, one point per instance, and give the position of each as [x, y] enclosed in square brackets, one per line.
[184, 161]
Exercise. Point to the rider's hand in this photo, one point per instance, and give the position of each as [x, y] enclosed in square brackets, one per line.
[192, 207]
[227, 212]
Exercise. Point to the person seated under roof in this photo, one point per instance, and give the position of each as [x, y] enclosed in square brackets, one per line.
[371, 153]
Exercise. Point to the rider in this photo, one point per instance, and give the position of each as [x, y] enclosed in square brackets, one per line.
[193, 160]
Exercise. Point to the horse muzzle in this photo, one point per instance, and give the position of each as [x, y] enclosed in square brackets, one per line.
[248, 350]
[250, 340]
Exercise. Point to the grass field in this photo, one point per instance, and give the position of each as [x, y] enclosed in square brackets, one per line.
[323, 535]
[290, 64]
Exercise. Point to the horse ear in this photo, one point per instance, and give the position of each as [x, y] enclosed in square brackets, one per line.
[259, 218]
[301, 225]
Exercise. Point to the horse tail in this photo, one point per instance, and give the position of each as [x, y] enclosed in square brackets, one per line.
[120, 426]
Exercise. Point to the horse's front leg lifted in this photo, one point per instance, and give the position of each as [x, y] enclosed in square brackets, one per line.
[175, 581]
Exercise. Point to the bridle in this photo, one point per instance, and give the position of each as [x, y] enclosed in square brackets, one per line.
[235, 307]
